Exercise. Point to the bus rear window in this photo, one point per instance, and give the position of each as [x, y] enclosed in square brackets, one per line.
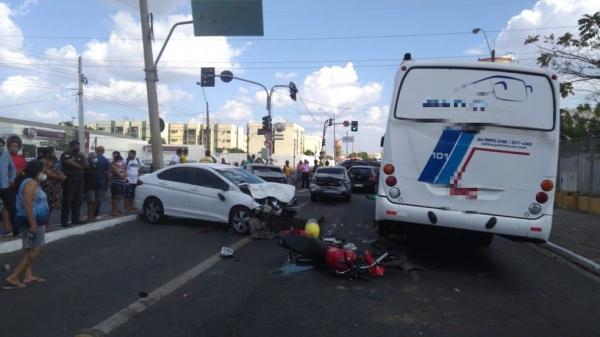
[477, 96]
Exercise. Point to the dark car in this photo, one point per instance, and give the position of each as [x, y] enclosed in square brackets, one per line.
[330, 182]
[269, 173]
[350, 163]
[363, 178]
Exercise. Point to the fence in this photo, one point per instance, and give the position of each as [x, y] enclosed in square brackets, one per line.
[579, 166]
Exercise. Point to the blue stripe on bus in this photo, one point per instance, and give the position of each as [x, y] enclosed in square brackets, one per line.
[456, 157]
[438, 158]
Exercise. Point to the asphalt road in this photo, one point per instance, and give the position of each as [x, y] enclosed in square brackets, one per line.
[510, 289]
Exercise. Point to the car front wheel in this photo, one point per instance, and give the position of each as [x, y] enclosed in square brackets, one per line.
[153, 210]
[239, 220]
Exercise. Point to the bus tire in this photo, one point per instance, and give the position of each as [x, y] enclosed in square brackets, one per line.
[484, 240]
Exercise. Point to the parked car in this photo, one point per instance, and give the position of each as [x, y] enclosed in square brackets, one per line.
[269, 173]
[211, 192]
[330, 182]
[363, 178]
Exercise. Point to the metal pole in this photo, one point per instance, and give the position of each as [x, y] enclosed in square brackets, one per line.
[591, 184]
[151, 79]
[334, 145]
[346, 143]
[208, 140]
[81, 127]
[247, 139]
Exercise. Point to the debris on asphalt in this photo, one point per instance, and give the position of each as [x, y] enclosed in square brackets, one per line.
[291, 268]
[365, 241]
[259, 229]
[375, 297]
[226, 252]
[456, 290]
[143, 294]
[6, 267]
[350, 246]
[186, 296]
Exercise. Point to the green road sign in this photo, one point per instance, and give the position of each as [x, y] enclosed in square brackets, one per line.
[227, 17]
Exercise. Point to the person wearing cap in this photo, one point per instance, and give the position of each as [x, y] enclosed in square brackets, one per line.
[73, 164]
[8, 175]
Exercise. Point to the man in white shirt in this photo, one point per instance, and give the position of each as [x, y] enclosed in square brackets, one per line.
[176, 159]
[132, 167]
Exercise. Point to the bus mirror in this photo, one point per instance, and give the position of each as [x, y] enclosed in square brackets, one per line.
[381, 143]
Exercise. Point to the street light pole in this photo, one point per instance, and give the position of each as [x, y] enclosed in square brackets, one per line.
[492, 51]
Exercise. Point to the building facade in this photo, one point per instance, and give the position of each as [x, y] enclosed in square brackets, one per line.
[313, 143]
[289, 143]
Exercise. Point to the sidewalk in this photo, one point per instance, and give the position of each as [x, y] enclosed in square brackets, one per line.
[578, 232]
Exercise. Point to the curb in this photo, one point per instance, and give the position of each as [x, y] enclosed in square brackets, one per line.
[573, 257]
[15, 245]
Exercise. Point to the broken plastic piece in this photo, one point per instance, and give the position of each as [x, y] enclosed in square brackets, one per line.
[350, 246]
[226, 252]
[293, 268]
[143, 294]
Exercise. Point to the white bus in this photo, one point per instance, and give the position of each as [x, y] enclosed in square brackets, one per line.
[470, 146]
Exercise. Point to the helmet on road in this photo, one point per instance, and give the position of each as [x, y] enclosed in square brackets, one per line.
[312, 228]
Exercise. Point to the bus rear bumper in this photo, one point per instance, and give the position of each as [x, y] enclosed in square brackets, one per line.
[533, 229]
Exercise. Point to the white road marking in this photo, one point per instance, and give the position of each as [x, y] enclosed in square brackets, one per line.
[121, 317]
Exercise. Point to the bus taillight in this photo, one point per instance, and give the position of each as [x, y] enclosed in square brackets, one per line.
[391, 181]
[541, 197]
[388, 169]
[547, 185]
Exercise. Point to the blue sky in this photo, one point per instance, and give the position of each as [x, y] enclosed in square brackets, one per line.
[342, 55]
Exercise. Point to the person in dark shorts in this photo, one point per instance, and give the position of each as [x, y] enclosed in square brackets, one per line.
[31, 217]
[118, 181]
[7, 181]
[132, 167]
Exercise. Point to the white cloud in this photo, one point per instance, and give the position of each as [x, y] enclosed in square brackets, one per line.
[545, 13]
[285, 75]
[121, 57]
[336, 89]
[92, 116]
[236, 110]
[475, 51]
[45, 116]
[280, 98]
[158, 7]
[25, 7]
[18, 85]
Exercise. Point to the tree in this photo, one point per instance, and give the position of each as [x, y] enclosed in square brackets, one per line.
[584, 122]
[236, 150]
[330, 157]
[363, 155]
[575, 57]
[309, 153]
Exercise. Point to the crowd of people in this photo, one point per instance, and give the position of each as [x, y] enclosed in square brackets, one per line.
[31, 191]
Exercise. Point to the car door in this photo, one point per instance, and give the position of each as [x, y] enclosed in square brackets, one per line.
[174, 191]
[208, 198]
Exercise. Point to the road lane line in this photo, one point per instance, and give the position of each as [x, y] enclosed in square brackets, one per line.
[121, 317]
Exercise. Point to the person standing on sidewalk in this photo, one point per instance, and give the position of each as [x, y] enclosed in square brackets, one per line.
[287, 171]
[305, 174]
[299, 174]
[103, 169]
[184, 155]
[13, 143]
[91, 186]
[52, 186]
[7, 180]
[117, 182]
[132, 167]
[31, 217]
[73, 164]
[176, 159]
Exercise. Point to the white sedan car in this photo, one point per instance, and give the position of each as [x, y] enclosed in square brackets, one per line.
[211, 192]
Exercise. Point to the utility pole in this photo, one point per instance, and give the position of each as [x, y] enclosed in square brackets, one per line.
[208, 140]
[247, 139]
[334, 145]
[81, 128]
[151, 79]
[346, 144]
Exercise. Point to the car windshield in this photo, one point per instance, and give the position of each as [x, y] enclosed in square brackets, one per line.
[239, 176]
[331, 170]
[266, 169]
[360, 170]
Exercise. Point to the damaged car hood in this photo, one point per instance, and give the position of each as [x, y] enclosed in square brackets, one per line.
[282, 192]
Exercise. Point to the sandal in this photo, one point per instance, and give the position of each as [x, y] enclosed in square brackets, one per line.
[36, 280]
[11, 286]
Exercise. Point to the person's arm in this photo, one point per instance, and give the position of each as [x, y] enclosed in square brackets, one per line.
[84, 161]
[12, 171]
[29, 195]
[72, 163]
[53, 173]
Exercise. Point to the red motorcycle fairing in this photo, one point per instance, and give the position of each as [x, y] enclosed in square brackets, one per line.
[339, 259]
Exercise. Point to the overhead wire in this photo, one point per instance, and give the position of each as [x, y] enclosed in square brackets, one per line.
[36, 101]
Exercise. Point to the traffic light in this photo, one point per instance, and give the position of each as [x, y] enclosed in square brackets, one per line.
[330, 121]
[207, 77]
[266, 123]
[354, 126]
[293, 90]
